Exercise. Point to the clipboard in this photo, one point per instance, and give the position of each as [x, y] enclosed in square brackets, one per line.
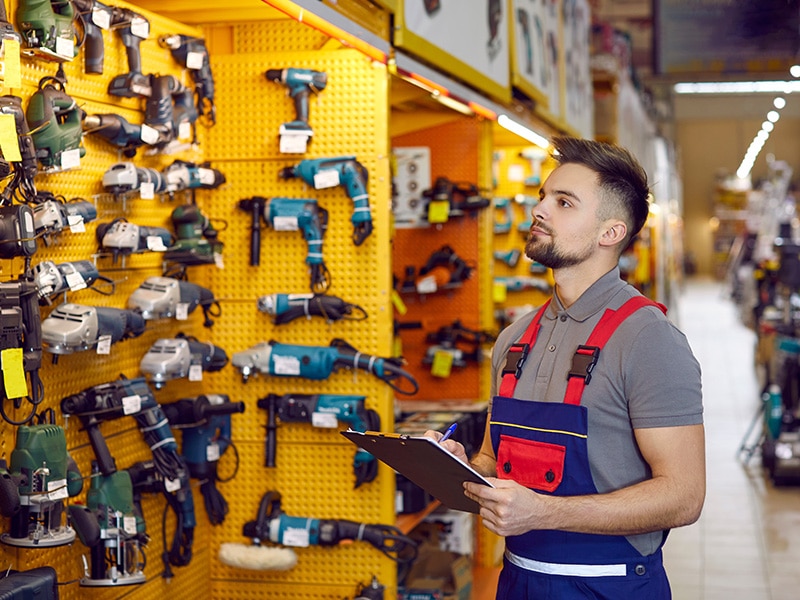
[423, 461]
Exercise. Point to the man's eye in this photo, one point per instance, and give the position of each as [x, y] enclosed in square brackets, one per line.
[564, 202]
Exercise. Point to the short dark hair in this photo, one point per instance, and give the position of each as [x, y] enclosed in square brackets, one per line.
[622, 179]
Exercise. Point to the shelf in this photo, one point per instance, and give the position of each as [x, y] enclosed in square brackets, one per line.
[406, 523]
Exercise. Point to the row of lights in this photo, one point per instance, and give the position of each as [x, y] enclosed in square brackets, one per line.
[743, 172]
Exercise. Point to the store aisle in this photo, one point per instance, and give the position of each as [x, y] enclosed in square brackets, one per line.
[746, 545]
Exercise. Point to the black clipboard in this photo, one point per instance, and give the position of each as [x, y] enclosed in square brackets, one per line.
[423, 461]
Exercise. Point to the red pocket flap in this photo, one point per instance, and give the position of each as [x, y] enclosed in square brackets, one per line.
[535, 465]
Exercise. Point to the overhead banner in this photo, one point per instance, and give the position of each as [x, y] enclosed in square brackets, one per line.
[468, 39]
[536, 49]
[725, 36]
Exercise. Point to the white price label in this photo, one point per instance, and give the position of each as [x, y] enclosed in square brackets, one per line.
[293, 143]
[76, 224]
[65, 47]
[71, 159]
[326, 420]
[206, 176]
[294, 536]
[101, 17]
[131, 404]
[172, 485]
[148, 135]
[195, 373]
[185, 130]
[195, 60]
[75, 281]
[426, 285]
[285, 224]
[147, 190]
[286, 365]
[212, 452]
[326, 178]
[182, 311]
[57, 489]
[155, 243]
[129, 525]
[140, 27]
[104, 344]
[218, 260]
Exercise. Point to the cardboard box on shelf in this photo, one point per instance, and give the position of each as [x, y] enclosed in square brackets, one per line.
[437, 575]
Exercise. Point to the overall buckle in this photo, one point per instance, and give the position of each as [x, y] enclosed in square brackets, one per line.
[515, 358]
[583, 361]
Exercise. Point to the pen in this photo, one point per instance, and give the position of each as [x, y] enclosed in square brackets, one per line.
[449, 432]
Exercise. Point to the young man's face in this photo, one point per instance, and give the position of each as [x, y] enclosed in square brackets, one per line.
[565, 225]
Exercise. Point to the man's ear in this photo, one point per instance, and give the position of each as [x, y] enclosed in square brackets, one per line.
[614, 232]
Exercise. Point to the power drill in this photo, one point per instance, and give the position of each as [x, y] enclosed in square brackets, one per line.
[33, 488]
[169, 109]
[93, 17]
[319, 362]
[76, 327]
[291, 214]
[205, 423]
[179, 357]
[191, 53]
[116, 130]
[122, 238]
[300, 83]
[26, 168]
[132, 28]
[51, 215]
[46, 28]
[54, 120]
[196, 241]
[166, 297]
[342, 170]
[325, 411]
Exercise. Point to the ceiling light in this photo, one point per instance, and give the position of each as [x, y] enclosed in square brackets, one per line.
[767, 126]
[794, 70]
[511, 125]
[738, 87]
[452, 104]
[779, 103]
[773, 116]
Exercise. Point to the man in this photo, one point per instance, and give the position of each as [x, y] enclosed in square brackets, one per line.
[594, 441]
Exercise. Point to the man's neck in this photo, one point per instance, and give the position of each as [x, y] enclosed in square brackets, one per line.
[572, 282]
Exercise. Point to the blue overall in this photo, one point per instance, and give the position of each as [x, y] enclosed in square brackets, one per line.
[543, 446]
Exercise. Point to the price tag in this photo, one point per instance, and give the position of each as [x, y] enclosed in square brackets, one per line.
[71, 159]
[16, 385]
[147, 190]
[294, 536]
[206, 176]
[12, 73]
[286, 365]
[75, 281]
[101, 16]
[182, 311]
[212, 452]
[172, 485]
[195, 373]
[76, 224]
[65, 47]
[185, 130]
[442, 364]
[129, 525]
[195, 60]
[285, 224]
[293, 143]
[398, 303]
[324, 420]
[438, 211]
[131, 404]
[155, 243]
[148, 135]
[397, 347]
[427, 285]
[499, 292]
[140, 27]
[9, 143]
[57, 489]
[104, 344]
[218, 260]
[326, 178]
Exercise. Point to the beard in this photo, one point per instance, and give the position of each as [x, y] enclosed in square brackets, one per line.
[546, 253]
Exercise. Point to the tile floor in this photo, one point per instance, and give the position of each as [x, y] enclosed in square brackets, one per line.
[746, 545]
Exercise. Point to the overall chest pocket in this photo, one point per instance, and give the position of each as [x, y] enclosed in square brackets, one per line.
[536, 465]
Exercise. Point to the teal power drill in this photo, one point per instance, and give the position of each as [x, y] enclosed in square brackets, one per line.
[300, 83]
[41, 476]
[341, 170]
[325, 411]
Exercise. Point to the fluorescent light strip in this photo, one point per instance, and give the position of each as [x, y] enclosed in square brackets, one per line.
[738, 87]
[511, 125]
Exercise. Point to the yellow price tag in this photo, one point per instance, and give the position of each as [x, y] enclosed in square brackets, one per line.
[397, 347]
[13, 373]
[499, 292]
[442, 364]
[438, 211]
[8, 139]
[398, 303]
[12, 74]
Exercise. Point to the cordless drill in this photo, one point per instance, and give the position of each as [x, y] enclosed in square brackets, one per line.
[341, 170]
[191, 53]
[132, 28]
[168, 109]
[93, 17]
[300, 83]
[291, 214]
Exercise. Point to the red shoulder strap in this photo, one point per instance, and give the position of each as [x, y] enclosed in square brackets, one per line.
[517, 353]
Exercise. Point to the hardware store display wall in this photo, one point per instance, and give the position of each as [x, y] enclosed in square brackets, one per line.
[76, 372]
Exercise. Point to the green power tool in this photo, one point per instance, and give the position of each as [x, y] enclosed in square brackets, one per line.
[47, 29]
[33, 488]
[55, 125]
[196, 240]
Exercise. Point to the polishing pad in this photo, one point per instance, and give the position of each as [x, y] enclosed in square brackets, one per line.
[260, 558]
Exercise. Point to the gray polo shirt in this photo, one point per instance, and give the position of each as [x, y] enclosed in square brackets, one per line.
[646, 376]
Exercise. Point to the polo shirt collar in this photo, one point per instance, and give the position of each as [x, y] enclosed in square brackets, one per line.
[592, 301]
